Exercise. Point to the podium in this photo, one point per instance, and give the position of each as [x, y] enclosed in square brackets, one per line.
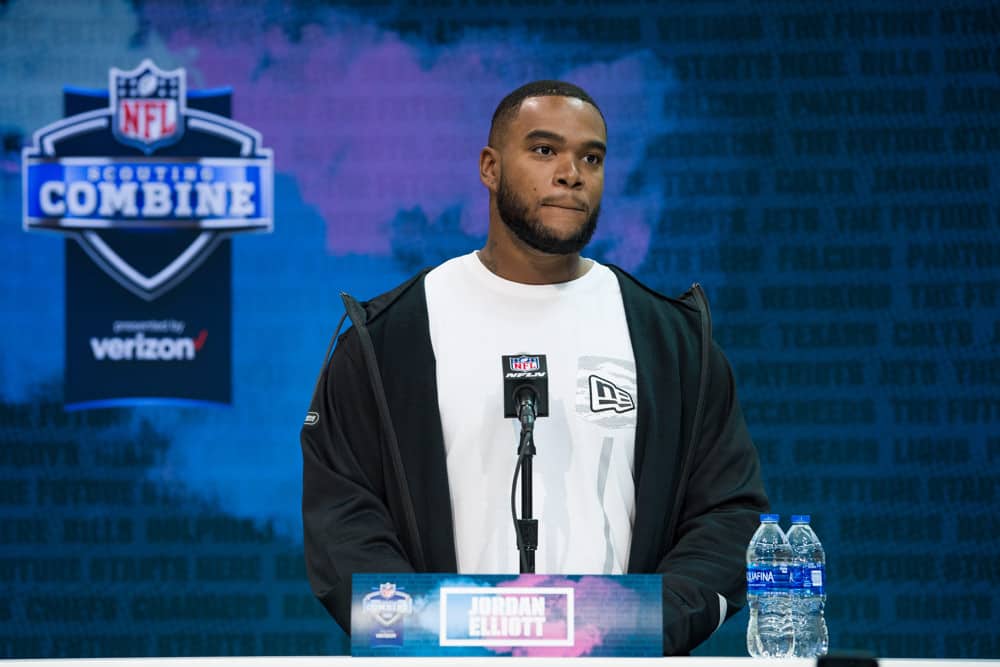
[507, 615]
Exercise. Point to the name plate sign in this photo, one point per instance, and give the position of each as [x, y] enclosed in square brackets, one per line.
[505, 615]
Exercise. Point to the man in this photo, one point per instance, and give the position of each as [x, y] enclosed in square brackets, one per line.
[644, 464]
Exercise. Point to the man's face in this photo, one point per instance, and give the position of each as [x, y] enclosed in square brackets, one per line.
[552, 173]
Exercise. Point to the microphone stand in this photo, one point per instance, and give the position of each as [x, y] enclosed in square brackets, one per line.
[526, 527]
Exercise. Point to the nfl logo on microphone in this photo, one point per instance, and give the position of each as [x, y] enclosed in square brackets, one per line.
[524, 364]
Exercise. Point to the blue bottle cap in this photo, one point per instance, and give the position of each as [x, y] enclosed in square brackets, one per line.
[769, 518]
[800, 518]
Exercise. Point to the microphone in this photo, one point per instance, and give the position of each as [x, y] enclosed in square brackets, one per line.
[525, 387]
[525, 396]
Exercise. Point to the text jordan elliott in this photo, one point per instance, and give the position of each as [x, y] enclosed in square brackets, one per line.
[507, 616]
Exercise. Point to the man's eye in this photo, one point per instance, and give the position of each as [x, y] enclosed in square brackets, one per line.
[543, 150]
[593, 158]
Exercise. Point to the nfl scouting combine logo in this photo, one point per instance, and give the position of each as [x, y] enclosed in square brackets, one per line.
[149, 180]
[87, 196]
[388, 606]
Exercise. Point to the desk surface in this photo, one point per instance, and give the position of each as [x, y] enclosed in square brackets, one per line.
[344, 661]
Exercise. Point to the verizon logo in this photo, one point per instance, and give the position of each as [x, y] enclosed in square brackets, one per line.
[148, 348]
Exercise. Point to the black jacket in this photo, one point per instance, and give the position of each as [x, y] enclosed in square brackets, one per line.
[375, 494]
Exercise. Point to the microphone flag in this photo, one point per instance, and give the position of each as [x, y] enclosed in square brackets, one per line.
[525, 371]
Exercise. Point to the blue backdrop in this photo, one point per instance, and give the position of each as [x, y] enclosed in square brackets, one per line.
[828, 172]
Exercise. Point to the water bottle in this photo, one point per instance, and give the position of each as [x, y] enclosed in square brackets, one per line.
[808, 592]
[769, 631]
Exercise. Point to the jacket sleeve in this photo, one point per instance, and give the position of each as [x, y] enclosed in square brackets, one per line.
[722, 501]
[347, 525]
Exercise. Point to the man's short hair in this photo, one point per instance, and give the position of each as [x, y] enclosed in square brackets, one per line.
[507, 110]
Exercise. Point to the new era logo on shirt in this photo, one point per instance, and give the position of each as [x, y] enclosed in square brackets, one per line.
[606, 395]
[606, 392]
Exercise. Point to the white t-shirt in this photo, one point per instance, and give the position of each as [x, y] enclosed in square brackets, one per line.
[584, 491]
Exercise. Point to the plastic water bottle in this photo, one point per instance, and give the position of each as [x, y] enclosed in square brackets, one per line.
[769, 632]
[808, 592]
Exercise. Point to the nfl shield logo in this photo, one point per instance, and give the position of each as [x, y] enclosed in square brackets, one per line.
[524, 364]
[387, 590]
[147, 106]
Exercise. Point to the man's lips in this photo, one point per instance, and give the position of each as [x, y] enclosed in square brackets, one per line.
[568, 205]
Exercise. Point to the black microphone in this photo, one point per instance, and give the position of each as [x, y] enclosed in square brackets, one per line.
[525, 396]
[525, 387]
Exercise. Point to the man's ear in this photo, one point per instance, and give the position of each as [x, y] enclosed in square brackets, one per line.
[489, 168]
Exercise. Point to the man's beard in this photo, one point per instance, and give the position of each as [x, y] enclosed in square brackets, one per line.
[515, 214]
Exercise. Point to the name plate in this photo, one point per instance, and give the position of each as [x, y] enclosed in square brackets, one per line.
[507, 615]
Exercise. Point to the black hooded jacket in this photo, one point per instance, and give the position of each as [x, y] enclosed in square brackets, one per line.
[375, 494]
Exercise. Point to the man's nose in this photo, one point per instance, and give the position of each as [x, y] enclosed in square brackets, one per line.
[568, 174]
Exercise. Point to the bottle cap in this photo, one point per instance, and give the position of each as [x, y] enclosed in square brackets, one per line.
[800, 518]
[769, 518]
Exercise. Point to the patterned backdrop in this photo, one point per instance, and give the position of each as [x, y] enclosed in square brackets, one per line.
[828, 171]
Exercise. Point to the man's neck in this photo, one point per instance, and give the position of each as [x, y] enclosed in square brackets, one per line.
[520, 263]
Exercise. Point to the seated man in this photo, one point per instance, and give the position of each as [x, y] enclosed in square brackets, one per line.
[644, 465]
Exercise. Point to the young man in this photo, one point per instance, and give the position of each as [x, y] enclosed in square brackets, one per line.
[644, 463]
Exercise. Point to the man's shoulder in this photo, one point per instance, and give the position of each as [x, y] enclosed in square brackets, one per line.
[687, 308]
[405, 301]
[403, 296]
[409, 294]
